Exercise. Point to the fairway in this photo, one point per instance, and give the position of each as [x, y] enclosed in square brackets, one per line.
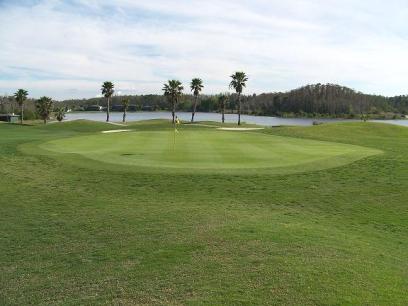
[208, 149]
[219, 218]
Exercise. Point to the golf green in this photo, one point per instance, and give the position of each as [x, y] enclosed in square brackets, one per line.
[209, 149]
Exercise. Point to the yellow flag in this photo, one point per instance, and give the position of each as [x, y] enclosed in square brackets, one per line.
[175, 126]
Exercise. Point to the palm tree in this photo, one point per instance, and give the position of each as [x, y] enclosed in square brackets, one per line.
[196, 86]
[222, 102]
[60, 113]
[44, 108]
[107, 91]
[173, 91]
[21, 96]
[125, 104]
[238, 82]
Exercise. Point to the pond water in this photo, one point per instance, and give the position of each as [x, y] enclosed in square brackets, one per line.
[260, 120]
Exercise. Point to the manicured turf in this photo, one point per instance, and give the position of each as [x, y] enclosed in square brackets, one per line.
[75, 230]
[207, 149]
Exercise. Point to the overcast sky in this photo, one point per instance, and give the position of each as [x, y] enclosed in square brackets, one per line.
[66, 49]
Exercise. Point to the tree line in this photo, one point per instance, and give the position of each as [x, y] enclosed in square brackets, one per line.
[318, 100]
[326, 100]
[172, 91]
[29, 109]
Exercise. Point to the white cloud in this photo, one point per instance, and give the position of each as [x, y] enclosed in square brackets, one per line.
[63, 50]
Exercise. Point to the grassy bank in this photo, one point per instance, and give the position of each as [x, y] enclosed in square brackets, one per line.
[78, 231]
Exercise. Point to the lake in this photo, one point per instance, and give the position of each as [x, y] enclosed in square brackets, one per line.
[260, 120]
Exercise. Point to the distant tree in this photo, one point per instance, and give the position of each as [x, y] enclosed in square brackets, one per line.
[238, 83]
[222, 103]
[125, 104]
[107, 91]
[196, 87]
[60, 113]
[173, 91]
[21, 97]
[44, 108]
[3, 100]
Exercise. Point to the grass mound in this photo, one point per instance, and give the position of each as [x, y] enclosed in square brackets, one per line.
[208, 149]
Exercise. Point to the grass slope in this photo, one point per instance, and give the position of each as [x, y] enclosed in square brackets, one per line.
[86, 234]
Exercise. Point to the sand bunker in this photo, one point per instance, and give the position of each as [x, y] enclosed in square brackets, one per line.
[240, 129]
[115, 131]
[116, 123]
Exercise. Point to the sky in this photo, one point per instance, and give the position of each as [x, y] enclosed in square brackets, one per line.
[66, 49]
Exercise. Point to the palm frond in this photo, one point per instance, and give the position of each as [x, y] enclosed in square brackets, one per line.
[20, 96]
[238, 81]
[108, 89]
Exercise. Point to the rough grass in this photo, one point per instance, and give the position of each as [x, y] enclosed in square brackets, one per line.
[85, 234]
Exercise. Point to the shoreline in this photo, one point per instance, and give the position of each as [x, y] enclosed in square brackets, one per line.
[357, 118]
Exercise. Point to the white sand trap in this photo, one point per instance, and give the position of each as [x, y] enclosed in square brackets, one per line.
[240, 129]
[115, 131]
[116, 123]
[201, 124]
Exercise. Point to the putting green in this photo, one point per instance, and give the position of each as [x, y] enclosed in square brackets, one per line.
[209, 149]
